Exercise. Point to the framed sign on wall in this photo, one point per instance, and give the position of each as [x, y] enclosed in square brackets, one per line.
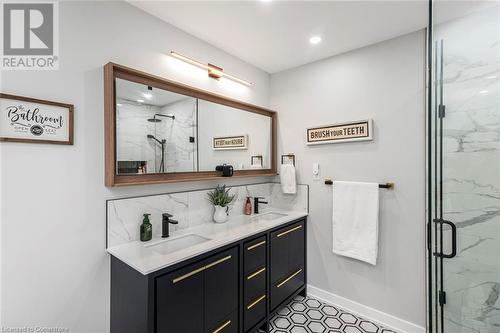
[24, 119]
[342, 132]
[230, 142]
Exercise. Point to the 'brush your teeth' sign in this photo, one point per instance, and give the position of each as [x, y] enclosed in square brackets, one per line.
[25, 119]
[342, 132]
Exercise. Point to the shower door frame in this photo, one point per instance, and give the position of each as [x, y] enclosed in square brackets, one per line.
[436, 112]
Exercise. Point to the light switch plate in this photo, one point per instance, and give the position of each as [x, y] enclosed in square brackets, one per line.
[315, 171]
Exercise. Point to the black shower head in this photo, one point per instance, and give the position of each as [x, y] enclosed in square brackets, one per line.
[156, 120]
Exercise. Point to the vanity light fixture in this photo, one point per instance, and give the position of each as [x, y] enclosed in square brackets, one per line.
[214, 72]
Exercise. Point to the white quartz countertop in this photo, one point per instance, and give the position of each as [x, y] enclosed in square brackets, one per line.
[143, 257]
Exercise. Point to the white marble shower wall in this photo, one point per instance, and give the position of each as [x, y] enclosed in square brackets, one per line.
[124, 216]
[180, 153]
[471, 49]
[132, 128]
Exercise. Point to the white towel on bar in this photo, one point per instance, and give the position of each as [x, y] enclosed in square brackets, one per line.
[287, 179]
[355, 220]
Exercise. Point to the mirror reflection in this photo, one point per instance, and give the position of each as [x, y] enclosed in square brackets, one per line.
[233, 137]
[158, 131]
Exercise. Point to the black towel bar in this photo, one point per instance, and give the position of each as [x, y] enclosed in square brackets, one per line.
[386, 185]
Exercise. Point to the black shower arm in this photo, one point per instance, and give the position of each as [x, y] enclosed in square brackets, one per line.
[163, 115]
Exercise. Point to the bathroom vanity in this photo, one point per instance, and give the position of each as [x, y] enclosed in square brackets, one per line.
[229, 278]
[206, 277]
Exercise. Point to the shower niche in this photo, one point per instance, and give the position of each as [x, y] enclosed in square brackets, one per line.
[161, 131]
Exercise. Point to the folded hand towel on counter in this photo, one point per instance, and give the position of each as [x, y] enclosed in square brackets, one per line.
[287, 178]
[355, 220]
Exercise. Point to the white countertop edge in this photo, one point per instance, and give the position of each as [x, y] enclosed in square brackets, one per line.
[146, 261]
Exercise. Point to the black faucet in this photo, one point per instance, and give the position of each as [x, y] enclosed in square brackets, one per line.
[165, 222]
[256, 203]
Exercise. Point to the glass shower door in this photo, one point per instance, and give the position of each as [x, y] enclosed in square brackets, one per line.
[464, 170]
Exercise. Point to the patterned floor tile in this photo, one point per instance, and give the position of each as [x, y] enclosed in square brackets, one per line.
[309, 315]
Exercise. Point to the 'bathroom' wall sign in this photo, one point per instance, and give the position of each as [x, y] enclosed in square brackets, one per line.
[24, 119]
[361, 130]
[230, 142]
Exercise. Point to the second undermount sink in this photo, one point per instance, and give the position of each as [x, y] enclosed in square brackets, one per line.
[269, 216]
[176, 244]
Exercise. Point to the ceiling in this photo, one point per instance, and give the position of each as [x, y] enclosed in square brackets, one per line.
[274, 35]
[133, 92]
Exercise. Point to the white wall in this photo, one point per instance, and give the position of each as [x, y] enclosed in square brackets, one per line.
[215, 120]
[55, 271]
[384, 82]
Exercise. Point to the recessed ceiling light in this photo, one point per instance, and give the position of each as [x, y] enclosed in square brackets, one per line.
[484, 92]
[140, 101]
[147, 95]
[118, 104]
[315, 40]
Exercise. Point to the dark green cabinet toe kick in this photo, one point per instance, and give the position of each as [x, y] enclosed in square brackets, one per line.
[234, 289]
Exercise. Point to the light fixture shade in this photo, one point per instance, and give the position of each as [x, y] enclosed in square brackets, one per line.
[214, 71]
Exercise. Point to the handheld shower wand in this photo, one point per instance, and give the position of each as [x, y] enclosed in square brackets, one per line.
[162, 143]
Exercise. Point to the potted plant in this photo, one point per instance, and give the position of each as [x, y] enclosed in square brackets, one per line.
[221, 199]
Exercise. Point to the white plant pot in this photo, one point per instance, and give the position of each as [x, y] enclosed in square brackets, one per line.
[221, 214]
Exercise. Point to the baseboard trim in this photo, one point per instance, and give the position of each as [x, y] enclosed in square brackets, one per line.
[389, 321]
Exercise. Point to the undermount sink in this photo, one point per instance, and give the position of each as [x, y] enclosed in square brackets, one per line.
[269, 216]
[176, 244]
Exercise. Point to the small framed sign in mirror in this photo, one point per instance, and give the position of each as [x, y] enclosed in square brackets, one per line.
[25, 119]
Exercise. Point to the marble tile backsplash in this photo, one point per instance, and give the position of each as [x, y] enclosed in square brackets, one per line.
[191, 209]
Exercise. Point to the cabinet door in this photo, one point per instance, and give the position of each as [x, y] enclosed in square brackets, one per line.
[221, 289]
[296, 243]
[179, 301]
[279, 256]
[287, 262]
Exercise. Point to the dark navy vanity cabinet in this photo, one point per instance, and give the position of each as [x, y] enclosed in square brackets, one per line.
[233, 289]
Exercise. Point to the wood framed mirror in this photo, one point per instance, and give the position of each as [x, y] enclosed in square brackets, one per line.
[161, 131]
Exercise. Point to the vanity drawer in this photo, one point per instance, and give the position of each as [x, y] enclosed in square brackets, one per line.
[255, 254]
[254, 312]
[282, 289]
[228, 325]
[254, 284]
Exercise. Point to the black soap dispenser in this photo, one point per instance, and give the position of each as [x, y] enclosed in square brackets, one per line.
[146, 229]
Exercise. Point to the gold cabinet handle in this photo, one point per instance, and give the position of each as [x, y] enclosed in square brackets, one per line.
[250, 248]
[185, 276]
[217, 262]
[289, 231]
[223, 326]
[289, 278]
[256, 273]
[257, 301]
[201, 269]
